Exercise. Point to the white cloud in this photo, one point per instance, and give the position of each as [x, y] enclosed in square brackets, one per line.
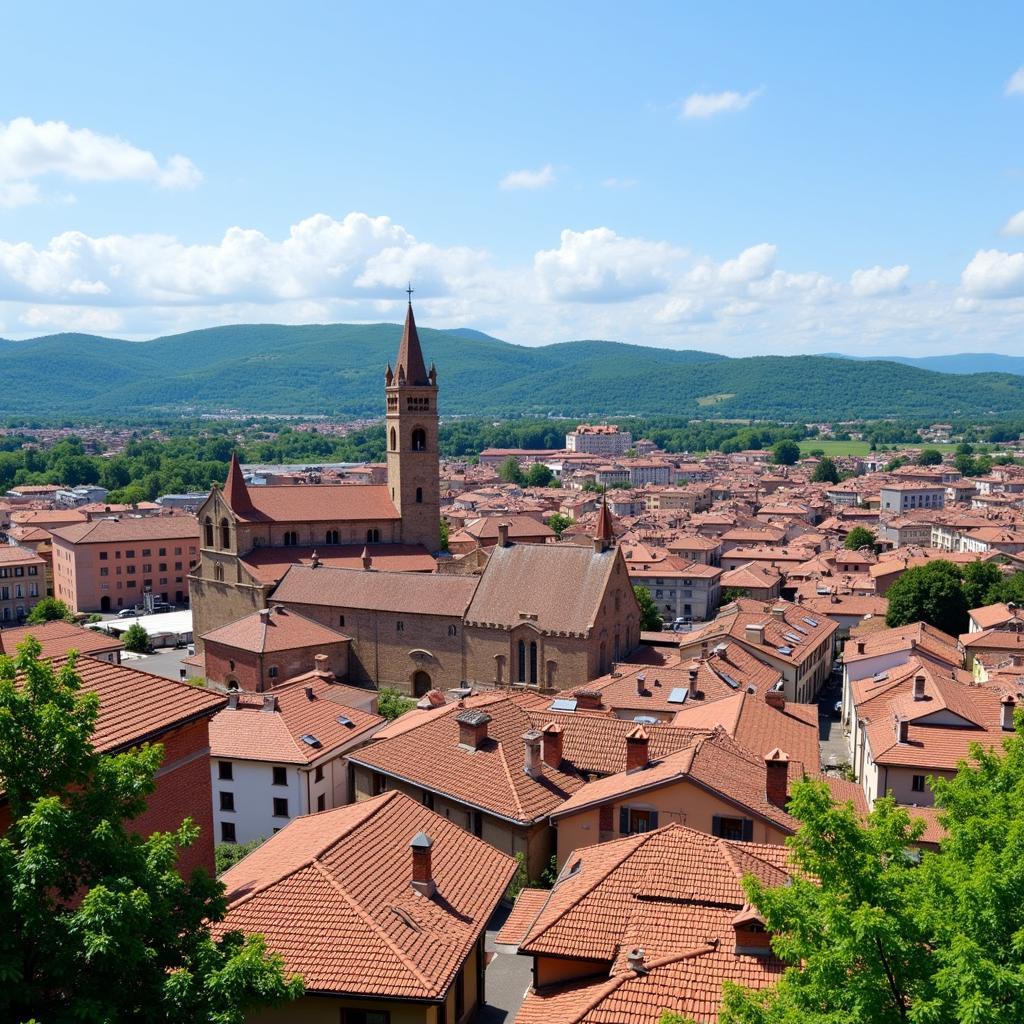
[879, 280]
[682, 310]
[1015, 225]
[29, 150]
[619, 183]
[71, 318]
[708, 104]
[751, 265]
[528, 179]
[600, 266]
[994, 274]
[1015, 85]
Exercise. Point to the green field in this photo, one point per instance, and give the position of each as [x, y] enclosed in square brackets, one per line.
[835, 447]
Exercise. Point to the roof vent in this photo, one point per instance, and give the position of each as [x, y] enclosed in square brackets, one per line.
[635, 961]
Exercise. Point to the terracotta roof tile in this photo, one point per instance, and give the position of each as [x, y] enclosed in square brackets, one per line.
[278, 630]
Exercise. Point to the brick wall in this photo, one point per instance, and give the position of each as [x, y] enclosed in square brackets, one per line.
[250, 671]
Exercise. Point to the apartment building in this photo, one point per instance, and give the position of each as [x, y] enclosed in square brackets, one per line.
[22, 582]
[602, 439]
[904, 497]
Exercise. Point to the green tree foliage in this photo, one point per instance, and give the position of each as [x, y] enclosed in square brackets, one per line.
[511, 472]
[539, 475]
[445, 533]
[593, 487]
[97, 923]
[559, 523]
[49, 609]
[650, 617]
[785, 453]
[227, 855]
[730, 594]
[859, 537]
[392, 704]
[136, 639]
[982, 583]
[825, 472]
[931, 593]
[929, 457]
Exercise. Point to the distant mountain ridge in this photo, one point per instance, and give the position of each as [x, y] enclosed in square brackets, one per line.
[961, 362]
[337, 369]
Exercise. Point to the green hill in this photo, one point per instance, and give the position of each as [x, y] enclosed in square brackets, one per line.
[337, 369]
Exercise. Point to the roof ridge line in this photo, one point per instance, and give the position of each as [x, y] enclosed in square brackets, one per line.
[511, 781]
[367, 919]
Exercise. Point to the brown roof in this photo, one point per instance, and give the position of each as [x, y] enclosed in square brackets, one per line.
[142, 528]
[279, 630]
[313, 503]
[11, 554]
[410, 356]
[558, 586]
[331, 893]
[408, 593]
[269, 564]
[57, 638]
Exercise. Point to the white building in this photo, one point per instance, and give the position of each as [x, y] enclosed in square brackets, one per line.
[602, 439]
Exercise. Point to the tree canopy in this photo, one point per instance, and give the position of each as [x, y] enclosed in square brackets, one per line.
[929, 457]
[511, 472]
[97, 923]
[559, 523]
[650, 617]
[136, 638]
[931, 593]
[785, 453]
[859, 537]
[826, 472]
[49, 609]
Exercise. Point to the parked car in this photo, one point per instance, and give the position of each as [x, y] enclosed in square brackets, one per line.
[129, 613]
[159, 607]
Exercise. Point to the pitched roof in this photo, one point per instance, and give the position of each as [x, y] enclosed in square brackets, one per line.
[409, 593]
[410, 356]
[136, 528]
[331, 893]
[317, 503]
[278, 630]
[11, 554]
[250, 733]
[559, 587]
[919, 637]
[269, 564]
[236, 494]
[57, 638]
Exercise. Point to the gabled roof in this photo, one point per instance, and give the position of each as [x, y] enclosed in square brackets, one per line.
[331, 893]
[138, 529]
[410, 356]
[920, 637]
[274, 629]
[317, 503]
[266, 565]
[57, 638]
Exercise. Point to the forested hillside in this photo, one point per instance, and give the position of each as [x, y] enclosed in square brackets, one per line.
[337, 369]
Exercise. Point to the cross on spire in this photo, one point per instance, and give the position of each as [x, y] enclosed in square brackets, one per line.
[409, 291]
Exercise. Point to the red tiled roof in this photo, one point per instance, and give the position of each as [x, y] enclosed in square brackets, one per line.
[278, 630]
[57, 638]
[142, 528]
[11, 554]
[268, 565]
[313, 503]
[331, 893]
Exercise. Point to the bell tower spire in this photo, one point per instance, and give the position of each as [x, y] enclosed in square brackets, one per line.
[411, 427]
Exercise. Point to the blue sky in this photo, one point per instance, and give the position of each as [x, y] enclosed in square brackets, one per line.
[741, 178]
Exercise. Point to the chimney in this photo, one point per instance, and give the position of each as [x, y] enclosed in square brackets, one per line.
[422, 876]
[503, 535]
[320, 666]
[553, 745]
[776, 697]
[264, 616]
[310, 695]
[472, 728]
[860, 646]
[635, 961]
[918, 687]
[692, 675]
[776, 763]
[778, 612]
[531, 753]
[641, 690]
[588, 700]
[902, 729]
[913, 644]
[754, 632]
[637, 742]
[269, 702]
[367, 559]
[1008, 704]
[314, 561]
[233, 700]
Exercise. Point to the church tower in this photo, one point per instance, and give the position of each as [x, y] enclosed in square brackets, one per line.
[411, 434]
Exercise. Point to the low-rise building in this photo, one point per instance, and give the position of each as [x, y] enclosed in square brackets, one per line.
[22, 583]
[904, 497]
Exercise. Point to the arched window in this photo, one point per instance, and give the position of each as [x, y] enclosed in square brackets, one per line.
[225, 534]
[419, 495]
[394, 440]
[522, 661]
[373, 536]
[218, 572]
[453, 630]
[291, 538]
[419, 440]
[208, 532]
[332, 536]
[533, 662]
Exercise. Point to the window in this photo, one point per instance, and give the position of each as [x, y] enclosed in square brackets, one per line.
[280, 807]
[130, 553]
[341, 620]
[380, 784]
[633, 820]
[225, 770]
[227, 832]
[147, 566]
[227, 801]
[318, 773]
[177, 551]
[103, 556]
[225, 534]
[394, 444]
[177, 565]
[163, 567]
[291, 538]
[917, 784]
[332, 537]
[533, 662]
[280, 775]
[373, 536]
[453, 630]
[104, 571]
[321, 802]
[521, 674]
[732, 828]
[272, 672]
[419, 440]
[131, 570]
[147, 552]
[399, 626]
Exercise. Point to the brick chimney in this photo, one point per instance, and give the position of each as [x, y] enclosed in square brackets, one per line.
[1008, 704]
[588, 700]
[637, 741]
[264, 616]
[531, 753]
[269, 703]
[778, 612]
[553, 745]
[366, 558]
[320, 666]
[860, 646]
[902, 729]
[641, 689]
[919, 687]
[692, 676]
[310, 695]
[776, 784]
[472, 728]
[775, 698]
[422, 874]
[233, 700]
[503, 535]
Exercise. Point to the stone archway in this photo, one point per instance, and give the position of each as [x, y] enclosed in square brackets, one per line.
[104, 603]
[421, 683]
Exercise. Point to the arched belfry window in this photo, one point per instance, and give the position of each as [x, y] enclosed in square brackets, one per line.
[419, 440]
[521, 673]
[208, 532]
[225, 534]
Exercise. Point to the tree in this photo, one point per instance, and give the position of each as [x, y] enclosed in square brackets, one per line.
[539, 475]
[931, 593]
[98, 925]
[444, 533]
[982, 583]
[650, 617]
[785, 453]
[560, 523]
[730, 594]
[49, 610]
[859, 537]
[392, 704]
[929, 457]
[510, 471]
[136, 638]
[227, 855]
[826, 472]
[593, 487]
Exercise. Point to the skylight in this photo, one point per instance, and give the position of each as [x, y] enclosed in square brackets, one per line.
[678, 695]
[784, 650]
[346, 721]
[811, 622]
[729, 681]
[563, 704]
[311, 740]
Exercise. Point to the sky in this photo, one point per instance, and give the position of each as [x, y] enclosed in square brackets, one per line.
[739, 178]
